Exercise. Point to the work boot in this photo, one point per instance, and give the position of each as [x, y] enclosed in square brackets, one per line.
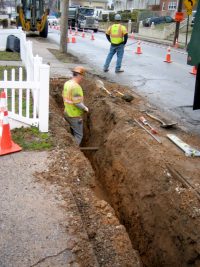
[106, 70]
[118, 71]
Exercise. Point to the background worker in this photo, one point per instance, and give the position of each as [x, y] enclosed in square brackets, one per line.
[73, 103]
[117, 35]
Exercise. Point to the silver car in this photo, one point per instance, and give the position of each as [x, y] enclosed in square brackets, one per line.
[52, 20]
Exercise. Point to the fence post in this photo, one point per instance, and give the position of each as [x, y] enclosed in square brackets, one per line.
[29, 60]
[22, 44]
[37, 62]
[44, 98]
[129, 26]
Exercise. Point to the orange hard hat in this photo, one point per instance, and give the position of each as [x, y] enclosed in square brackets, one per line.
[80, 70]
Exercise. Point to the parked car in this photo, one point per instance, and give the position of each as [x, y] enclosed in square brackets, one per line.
[169, 19]
[193, 17]
[52, 20]
[157, 20]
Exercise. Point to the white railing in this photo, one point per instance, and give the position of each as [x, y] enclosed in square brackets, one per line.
[28, 100]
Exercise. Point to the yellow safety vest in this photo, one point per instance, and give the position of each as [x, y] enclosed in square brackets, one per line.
[116, 32]
[72, 94]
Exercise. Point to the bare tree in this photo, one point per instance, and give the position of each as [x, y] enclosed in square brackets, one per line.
[64, 26]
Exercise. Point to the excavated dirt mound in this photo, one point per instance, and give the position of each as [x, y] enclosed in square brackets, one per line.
[153, 188]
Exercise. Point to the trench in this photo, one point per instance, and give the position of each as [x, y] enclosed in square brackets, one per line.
[138, 177]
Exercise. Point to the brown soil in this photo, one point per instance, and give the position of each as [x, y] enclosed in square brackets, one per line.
[133, 183]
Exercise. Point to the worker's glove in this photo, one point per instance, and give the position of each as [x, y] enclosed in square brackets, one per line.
[86, 109]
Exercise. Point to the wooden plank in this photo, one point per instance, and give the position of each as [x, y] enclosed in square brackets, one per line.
[183, 180]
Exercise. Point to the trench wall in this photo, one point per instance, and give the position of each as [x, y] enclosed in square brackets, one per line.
[160, 214]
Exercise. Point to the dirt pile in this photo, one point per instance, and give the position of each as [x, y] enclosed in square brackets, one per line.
[141, 179]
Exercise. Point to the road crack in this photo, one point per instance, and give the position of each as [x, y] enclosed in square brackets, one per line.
[50, 256]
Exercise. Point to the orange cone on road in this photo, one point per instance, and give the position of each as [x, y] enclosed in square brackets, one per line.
[7, 146]
[132, 35]
[92, 36]
[83, 34]
[168, 56]
[73, 39]
[139, 50]
[70, 30]
[194, 70]
[176, 44]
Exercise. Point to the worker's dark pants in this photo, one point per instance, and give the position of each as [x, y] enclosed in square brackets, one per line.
[196, 103]
[76, 125]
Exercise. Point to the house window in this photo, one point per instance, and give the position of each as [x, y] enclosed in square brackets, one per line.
[163, 6]
[172, 6]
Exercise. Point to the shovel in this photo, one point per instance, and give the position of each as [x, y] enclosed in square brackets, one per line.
[126, 97]
[163, 124]
[101, 86]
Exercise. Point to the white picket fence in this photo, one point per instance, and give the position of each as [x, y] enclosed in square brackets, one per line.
[27, 99]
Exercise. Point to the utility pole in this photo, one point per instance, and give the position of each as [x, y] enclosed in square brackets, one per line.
[64, 26]
[176, 34]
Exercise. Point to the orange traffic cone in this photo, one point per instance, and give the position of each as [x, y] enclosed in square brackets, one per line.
[76, 31]
[70, 30]
[139, 50]
[194, 70]
[73, 39]
[168, 56]
[92, 36]
[3, 104]
[6, 144]
[83, 34]
[176, 44]
[132, 35]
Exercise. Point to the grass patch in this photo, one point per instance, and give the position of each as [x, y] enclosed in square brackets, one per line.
[32, 139]
[16, 91]
[15, 109]
[9, 71]
[9, 56]
[65, 58]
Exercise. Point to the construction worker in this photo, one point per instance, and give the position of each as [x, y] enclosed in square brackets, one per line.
[117, 35]
[73, 103]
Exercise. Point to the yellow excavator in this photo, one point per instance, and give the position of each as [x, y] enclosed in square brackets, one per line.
[32, 16]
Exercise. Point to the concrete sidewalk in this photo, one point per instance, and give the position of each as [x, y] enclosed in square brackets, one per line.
[57, 68]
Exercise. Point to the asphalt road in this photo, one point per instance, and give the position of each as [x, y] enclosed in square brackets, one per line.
[169, 87]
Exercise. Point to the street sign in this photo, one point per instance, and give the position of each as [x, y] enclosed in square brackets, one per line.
[189, 4]
[179, 16]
